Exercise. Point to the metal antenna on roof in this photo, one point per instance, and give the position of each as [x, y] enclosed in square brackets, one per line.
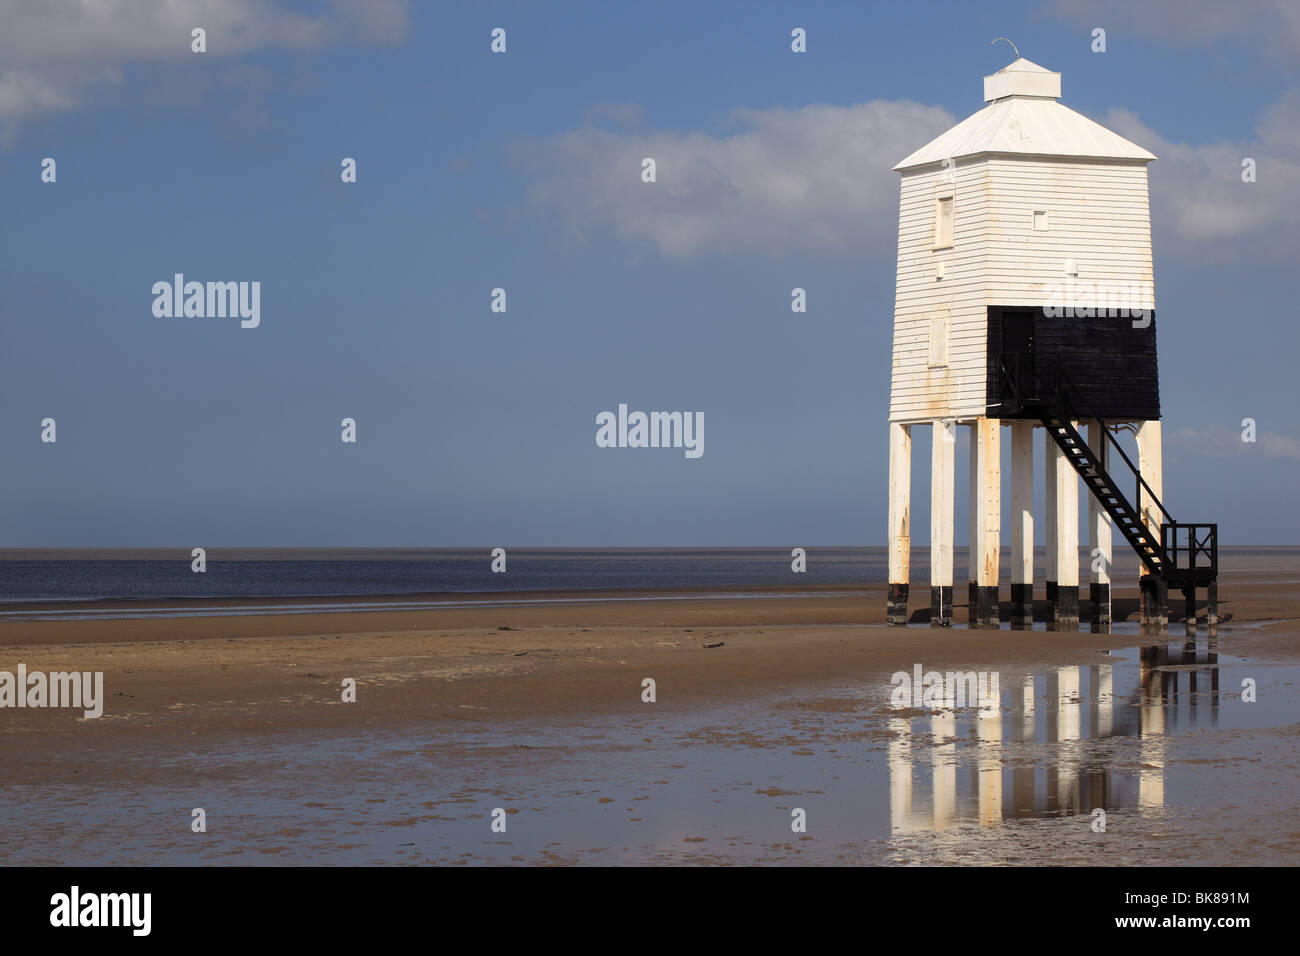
[1005, 40]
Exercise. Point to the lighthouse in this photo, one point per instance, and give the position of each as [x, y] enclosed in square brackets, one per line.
[1025, 300]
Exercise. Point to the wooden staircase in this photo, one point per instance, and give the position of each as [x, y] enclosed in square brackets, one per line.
[1185, 555]
[1123, 514]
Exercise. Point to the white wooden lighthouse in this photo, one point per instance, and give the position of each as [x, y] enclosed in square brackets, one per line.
[1025, 299]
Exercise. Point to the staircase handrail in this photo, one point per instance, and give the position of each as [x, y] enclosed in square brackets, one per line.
[1063, 403]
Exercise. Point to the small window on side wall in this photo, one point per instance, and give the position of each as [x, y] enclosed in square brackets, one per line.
[938, 341]
[1040, 220]
[943, 222]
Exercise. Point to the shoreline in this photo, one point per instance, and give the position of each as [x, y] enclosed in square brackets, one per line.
[423, 597]
[1250, 600]
[547, 658]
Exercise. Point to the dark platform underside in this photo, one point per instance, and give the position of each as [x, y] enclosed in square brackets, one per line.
[1109, 362]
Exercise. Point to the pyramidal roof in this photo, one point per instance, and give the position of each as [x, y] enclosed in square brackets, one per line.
[1023, 116]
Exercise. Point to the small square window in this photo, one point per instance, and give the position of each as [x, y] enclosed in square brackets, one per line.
[943, 223]
[1040, 220]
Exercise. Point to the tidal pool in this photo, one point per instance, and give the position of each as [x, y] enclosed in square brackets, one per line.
[1148, 755]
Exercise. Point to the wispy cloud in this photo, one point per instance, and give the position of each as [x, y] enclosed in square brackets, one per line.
[1271, 27]
[1219, 441]
[1201, 208]
[816, 179]
[620, 114]
[57, 54]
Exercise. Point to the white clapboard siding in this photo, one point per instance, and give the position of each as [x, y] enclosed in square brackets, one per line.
[957, 390]
[1098, 218]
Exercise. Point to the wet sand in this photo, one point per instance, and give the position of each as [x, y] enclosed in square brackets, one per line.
[538, 709]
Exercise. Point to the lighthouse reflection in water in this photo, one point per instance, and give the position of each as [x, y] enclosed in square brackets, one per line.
[1044, 751]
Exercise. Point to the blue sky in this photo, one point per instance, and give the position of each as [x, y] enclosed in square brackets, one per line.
[521, 170]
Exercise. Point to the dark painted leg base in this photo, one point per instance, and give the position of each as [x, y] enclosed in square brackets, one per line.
[1022, 606]
[1099, 594]
[1051, 589]
[986, 601]
[1155, 600]
[896, 604]
[941, 606]
[1066, 617]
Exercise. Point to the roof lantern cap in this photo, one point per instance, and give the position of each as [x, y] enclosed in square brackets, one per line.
[1022, 78]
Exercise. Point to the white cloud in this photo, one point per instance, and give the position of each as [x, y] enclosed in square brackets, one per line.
[56, 52]
[1197, 191]
[816, 179]
[1279, 446]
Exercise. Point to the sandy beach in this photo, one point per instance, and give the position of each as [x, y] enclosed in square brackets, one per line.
[475, 708]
